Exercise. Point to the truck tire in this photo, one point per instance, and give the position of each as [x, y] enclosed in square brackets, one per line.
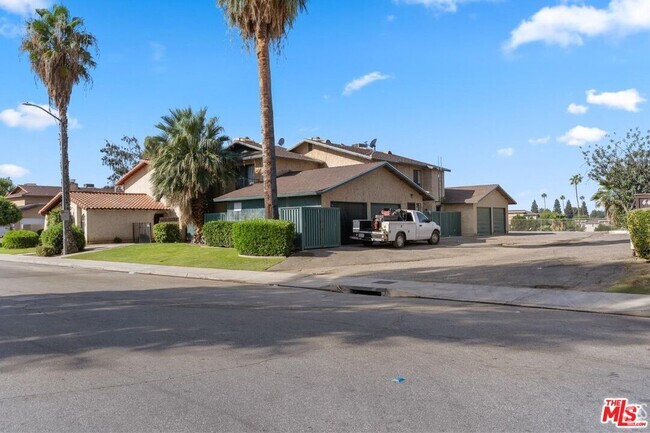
[435, 238]
[400, 240]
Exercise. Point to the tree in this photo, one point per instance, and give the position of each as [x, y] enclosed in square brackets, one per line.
[59, 54]
[189, 159]
[544, 195]
[534, 208]
[622, 169]
[9, 213]
[562, 197]
[121, 157]
[6, 186]
[264, 22]
[597, 213]
[575, 180]
[568, 209]
[583, 207]
[556, 207]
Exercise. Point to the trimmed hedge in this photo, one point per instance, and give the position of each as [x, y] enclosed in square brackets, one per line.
[218, 233]
[166, 233]
[638, 224]
[263, 237]
[20, 239]
[53, 237]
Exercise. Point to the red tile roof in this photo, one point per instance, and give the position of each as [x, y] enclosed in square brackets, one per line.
[107, 200]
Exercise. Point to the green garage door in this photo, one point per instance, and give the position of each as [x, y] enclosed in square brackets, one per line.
[484, 221]
[376, 208]
[349, 211]
[499, 215]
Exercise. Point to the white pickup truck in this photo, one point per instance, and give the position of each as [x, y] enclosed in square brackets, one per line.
[397, 227]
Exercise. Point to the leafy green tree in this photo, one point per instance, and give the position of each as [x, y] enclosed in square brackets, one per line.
[622, 169]
[556, 207]
[597, 213]
[9, 212]
[568, 209]
[550, 215]
[575, 180]
[59, 54]
[190, 158]
[6, 186]
[534, 208]
[544, 195]
[121, 158]
[264, 22]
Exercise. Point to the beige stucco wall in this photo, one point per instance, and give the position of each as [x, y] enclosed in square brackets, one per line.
[104, 225]
[329, 157]
[140, 182]
[379, 186]
[494, 199]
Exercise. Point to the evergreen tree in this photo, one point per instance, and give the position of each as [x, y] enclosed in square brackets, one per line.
[556, 207]
[583, 209]
[534, 208]
[568, 209]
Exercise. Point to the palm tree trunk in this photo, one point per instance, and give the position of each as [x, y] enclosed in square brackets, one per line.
[577, 202]
[70, 246]
[268, 134]
[199, 206]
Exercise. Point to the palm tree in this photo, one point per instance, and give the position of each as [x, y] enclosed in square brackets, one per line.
[59, 54]
[575, 180]
[264, 22]
[188, 157]
[544, 195]
[562, 197]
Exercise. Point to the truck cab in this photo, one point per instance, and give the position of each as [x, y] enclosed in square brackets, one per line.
[396, 226]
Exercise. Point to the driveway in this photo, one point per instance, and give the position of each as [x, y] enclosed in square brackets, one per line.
[577, 261]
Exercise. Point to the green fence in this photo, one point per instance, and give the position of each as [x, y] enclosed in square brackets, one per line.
[231, 215]
[316, 227]
[547, 225]
[449, 222]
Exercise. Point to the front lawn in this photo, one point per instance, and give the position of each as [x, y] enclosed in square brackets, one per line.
[637, 280]
[16, 250]
[194, 256]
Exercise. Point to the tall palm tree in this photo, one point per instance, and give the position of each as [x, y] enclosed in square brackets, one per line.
[188, 157]
[264, 22]
[562, 197]
[544, 195]
[575, 180]
[59, 54]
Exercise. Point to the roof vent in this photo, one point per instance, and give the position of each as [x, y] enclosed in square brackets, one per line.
[328, 142]
[389, 152]
[89, 185]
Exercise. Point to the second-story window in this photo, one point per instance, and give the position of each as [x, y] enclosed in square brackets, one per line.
[417, 177]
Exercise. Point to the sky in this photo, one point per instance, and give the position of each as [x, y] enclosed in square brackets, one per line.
[498, 91]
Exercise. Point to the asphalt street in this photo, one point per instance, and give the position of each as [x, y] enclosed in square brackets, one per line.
[87, 350]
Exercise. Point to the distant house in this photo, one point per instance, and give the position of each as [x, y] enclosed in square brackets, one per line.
[106, 215]
[522, 213]
[30, 198]
[483, 208]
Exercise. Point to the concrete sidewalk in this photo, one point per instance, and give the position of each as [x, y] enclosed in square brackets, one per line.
[595, 302]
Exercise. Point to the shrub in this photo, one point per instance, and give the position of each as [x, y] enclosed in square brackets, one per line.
[45, 251]
[638, 223]
[218, 233]
[9, 212]
[263, 237]
[20, 239]
[54, 217]
[117, 240]
[602, 228]
[53, 237]
[166, 233]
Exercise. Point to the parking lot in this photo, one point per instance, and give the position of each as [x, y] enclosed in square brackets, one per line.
[565, 260]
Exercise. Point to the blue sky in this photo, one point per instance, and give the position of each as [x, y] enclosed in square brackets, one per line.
[501, 91]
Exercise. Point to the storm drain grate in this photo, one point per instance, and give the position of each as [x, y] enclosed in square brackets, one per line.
[368, 292]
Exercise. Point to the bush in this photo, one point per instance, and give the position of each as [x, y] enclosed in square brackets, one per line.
[9, 212]
[218, 233]
[54, 217]
[602, 228]
[117, 240]
[263, 237]
[20, 239]
[45, 251]
[53, 237]
[166, 233]
[638, 223]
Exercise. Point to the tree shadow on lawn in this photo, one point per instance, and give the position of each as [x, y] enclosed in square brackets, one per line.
[279, 321]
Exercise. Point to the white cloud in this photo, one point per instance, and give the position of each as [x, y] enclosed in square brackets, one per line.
[12, 170]
[567, 24]
[440, 5]
[628, 100]
[390, 18]
[23, 7]
[506, 152]
[581, 135]
[158, 51]
[577, 108]
[9, 29]
[541, 140]
[361, 82]
[32, 118]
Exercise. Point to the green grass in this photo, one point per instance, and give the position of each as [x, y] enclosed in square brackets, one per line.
[636, 285]
[181, 255]
[17, 250]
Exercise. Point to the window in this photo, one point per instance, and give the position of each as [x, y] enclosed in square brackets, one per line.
[417, 177]
[237, 206]
[422, 218]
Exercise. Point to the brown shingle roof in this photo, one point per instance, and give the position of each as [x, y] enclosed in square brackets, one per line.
[318, 181]
[473, 194]
[107, 200]
[280, 152]
[369, 153]
[34, 190]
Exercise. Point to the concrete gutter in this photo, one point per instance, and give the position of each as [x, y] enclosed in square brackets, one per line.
[593, 302]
